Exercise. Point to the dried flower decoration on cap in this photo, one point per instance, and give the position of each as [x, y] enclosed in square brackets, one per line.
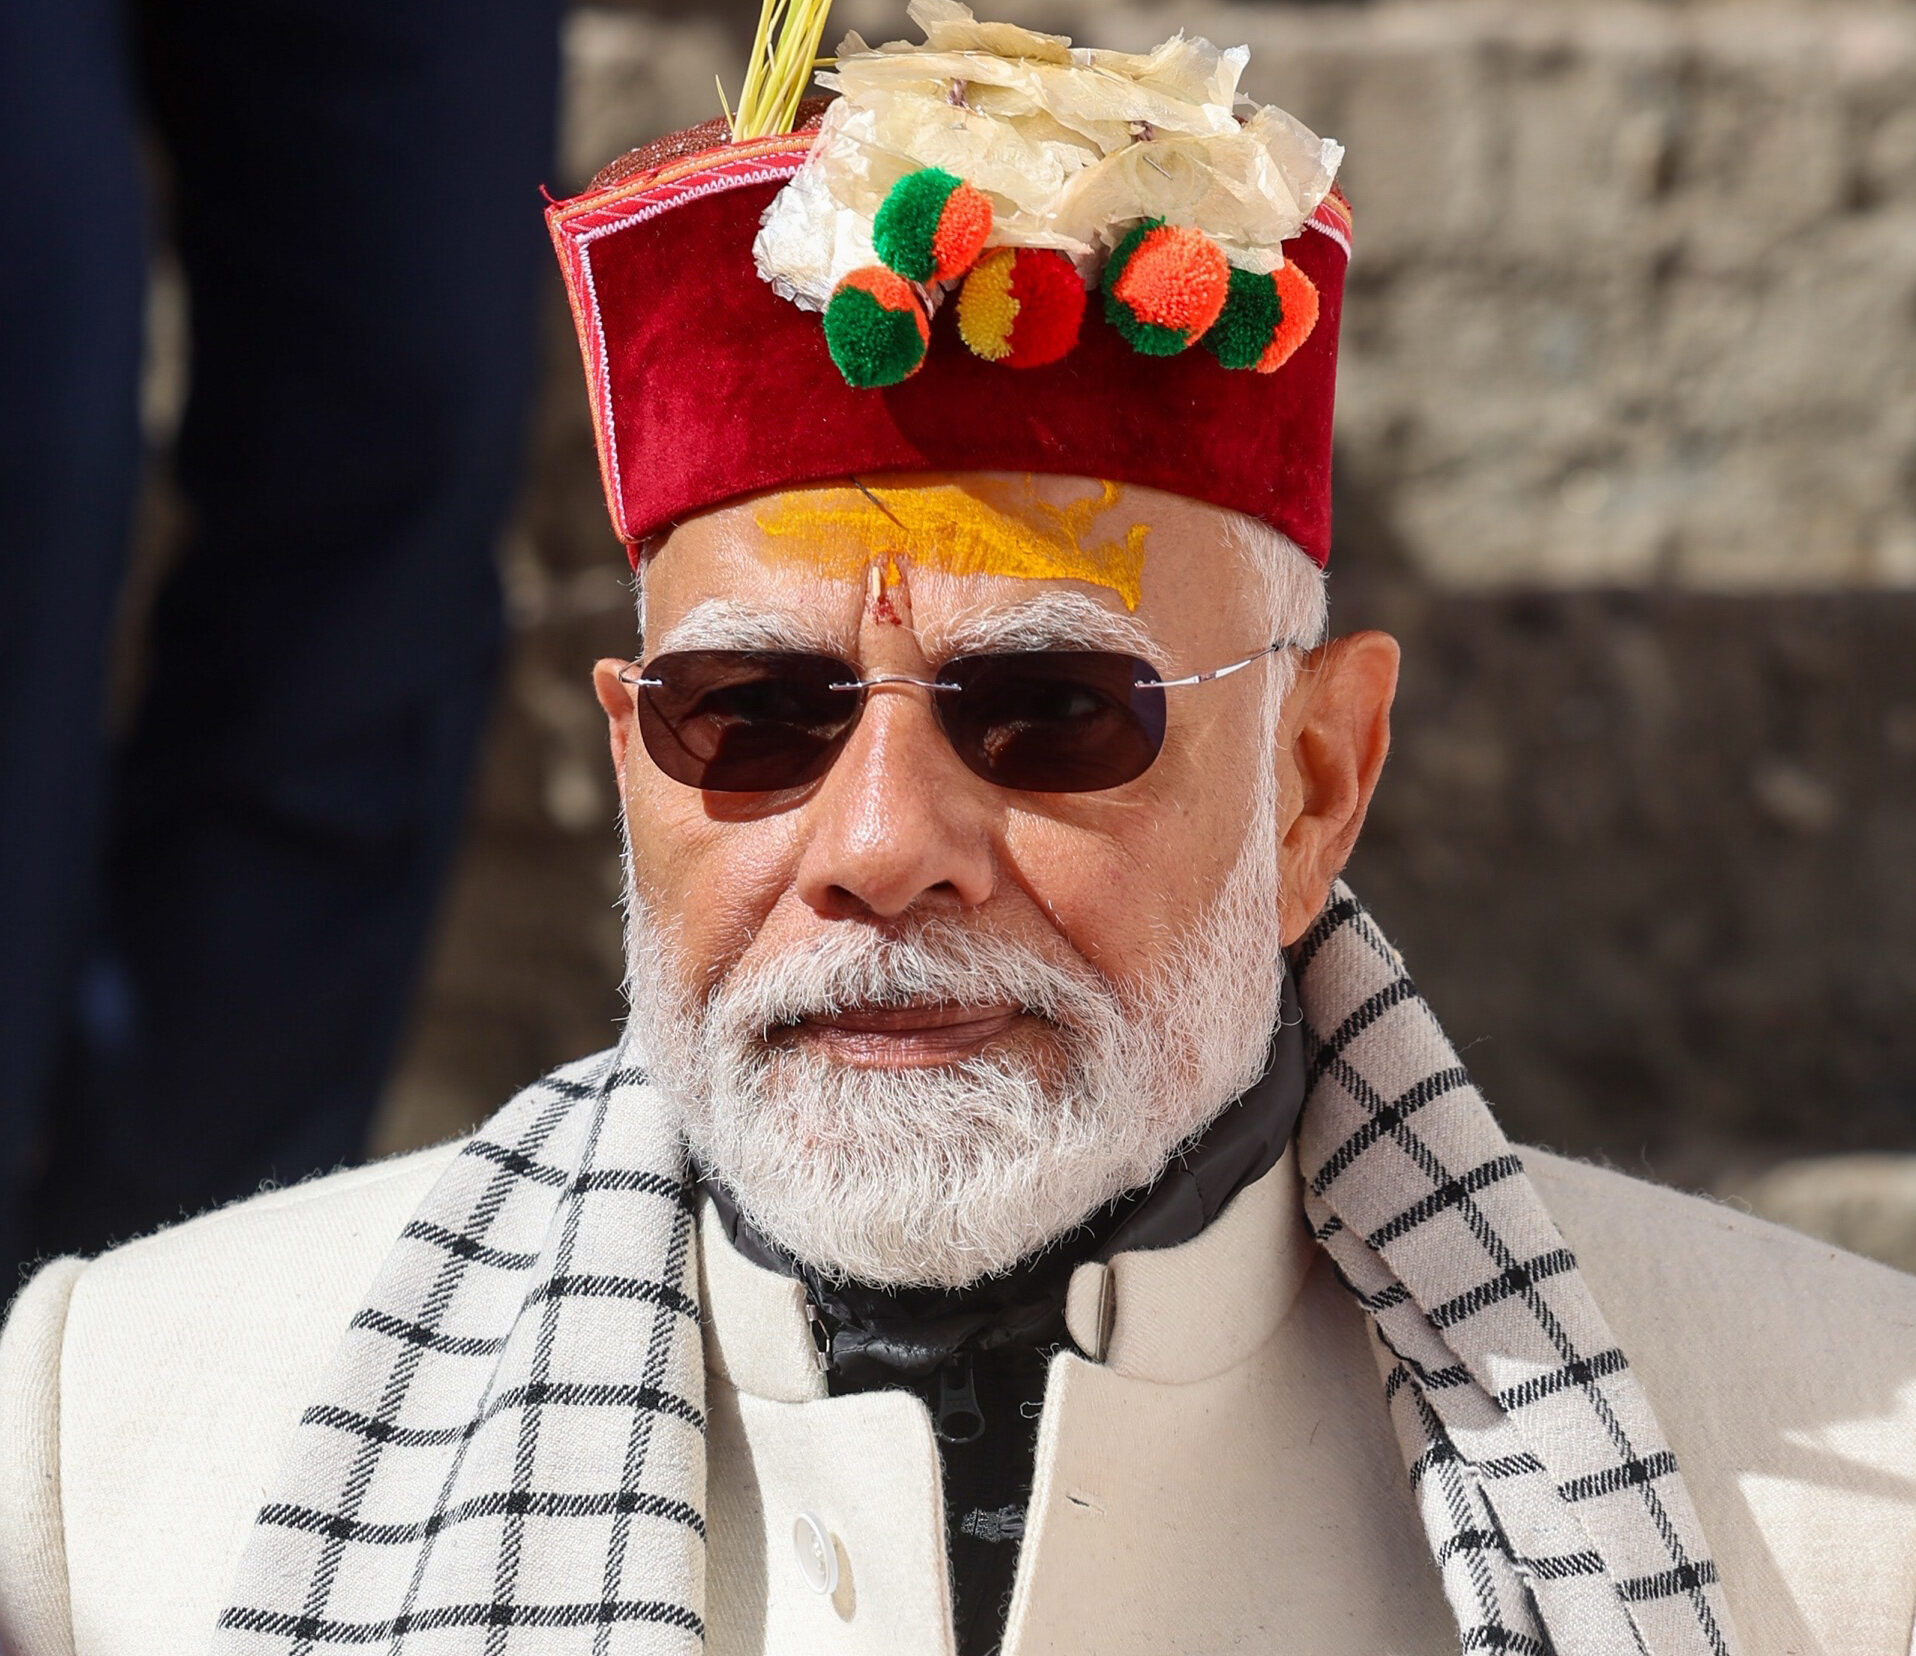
[760, 300]
[1140, 169]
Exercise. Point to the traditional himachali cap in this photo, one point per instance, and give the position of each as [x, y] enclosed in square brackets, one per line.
[1147, 274]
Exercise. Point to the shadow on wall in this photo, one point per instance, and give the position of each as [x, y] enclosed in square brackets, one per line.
[1649, 855]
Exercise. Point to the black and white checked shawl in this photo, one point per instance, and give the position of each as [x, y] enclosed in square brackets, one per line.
[508, 1457]
[1552, 1503]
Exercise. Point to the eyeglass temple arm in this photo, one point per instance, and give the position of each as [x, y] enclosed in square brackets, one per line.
[1228, 668]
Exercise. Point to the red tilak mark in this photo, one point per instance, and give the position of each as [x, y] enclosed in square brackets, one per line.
[879, 594]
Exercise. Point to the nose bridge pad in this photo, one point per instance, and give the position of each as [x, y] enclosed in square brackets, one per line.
[941, 700]
[898, 683]
[898, 769]
[828, 761]
[944, 711]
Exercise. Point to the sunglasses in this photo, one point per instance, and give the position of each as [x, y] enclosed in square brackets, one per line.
[1041, 721]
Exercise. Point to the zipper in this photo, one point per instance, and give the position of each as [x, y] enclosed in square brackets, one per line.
[959, 1419]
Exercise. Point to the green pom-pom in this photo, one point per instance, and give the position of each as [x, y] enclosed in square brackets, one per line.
[906, 227]
[1245, 327]
[876, 329]
[1146, 338]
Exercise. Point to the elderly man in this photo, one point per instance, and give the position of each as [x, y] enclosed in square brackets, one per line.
[1031, 1209]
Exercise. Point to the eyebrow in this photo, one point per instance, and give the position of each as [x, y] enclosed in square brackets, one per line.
[727, 624]
[1044, 621]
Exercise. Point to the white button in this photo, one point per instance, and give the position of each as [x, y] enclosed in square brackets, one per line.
[817, 1557]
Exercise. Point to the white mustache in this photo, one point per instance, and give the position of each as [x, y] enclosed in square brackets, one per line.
[934, 961]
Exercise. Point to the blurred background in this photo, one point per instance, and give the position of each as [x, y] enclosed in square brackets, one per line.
[1626, 458]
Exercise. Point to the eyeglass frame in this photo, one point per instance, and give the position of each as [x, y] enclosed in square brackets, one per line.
[632, 675]
[880, 680]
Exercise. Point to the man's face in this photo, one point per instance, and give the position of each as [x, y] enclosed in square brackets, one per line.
[904, 986]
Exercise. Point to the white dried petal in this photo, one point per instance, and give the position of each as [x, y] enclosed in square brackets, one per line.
[807, 244]
[1308, 163]
[1072, 146]
[1194, 71]
[950, 26]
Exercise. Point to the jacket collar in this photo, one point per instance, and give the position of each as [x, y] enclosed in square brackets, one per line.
[1170, 1315]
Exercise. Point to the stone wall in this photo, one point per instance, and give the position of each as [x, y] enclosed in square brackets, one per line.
[1635, 290]
[1627, 457]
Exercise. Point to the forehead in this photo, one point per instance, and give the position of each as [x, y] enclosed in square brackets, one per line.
[960, 539]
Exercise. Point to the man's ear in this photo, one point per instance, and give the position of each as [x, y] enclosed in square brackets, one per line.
[619, 712]
[1332, 741]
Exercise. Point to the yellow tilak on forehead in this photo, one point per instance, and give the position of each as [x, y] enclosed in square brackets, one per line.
[841, 533]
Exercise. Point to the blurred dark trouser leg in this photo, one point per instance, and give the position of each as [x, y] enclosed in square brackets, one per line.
[358, 214]
[71, 282]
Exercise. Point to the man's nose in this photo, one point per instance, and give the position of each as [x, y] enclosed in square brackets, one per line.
[898, 821]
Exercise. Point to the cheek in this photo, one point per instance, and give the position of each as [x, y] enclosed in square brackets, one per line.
[1124, 876]
[1121, 883]
[712, 882]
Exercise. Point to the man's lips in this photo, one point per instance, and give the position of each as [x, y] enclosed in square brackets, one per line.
[906, 1037]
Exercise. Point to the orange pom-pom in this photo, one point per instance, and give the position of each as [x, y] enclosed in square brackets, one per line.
[1164, 286]
[1298, 295]
[960, 236]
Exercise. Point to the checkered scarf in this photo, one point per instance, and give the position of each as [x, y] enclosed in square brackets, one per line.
[508, 1457]
[1553, 1506]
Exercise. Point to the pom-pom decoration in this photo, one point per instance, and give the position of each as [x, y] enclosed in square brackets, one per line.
[1021, 306]
[1298, 295]
[1265, 319]
[876, 328]
[1252, 314]
[1164, 286]
[932, 226]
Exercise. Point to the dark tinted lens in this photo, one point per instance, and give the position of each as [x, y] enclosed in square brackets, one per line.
[745, 721]
[1054, 721]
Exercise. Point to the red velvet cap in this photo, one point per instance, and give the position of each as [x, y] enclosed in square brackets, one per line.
[707, 385]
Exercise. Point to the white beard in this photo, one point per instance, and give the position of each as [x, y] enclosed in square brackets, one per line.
[939, 1176]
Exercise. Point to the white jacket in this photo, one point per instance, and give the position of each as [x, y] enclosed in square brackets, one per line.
[1225, 1478]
